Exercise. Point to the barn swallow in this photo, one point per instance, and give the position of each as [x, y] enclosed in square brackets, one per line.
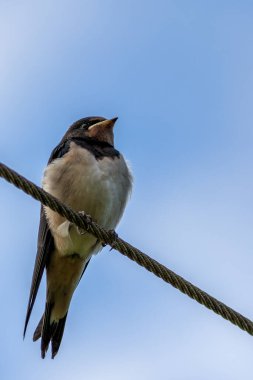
[88, 174]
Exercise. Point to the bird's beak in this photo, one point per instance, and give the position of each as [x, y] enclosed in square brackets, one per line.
[103, 130]
[103, 125]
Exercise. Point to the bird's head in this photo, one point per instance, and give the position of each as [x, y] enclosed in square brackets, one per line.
[94, 127]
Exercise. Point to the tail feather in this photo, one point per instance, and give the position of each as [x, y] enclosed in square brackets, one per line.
[49, 331]
[46, 332]
[58, 334]
[37, 332]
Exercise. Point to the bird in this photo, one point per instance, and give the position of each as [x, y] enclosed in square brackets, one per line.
[88, 174]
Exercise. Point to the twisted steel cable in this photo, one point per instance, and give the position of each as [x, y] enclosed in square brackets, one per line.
[110, 238]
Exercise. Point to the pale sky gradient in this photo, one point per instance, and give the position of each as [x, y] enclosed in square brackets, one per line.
[179, 75]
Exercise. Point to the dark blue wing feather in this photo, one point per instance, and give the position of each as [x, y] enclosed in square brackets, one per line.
[45, 241]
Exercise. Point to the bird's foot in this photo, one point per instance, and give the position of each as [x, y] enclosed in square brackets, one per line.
[81, 231]
[114, 238]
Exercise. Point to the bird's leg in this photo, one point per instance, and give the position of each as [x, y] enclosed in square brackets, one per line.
[81, 231]
[66, 227]
[114, 237]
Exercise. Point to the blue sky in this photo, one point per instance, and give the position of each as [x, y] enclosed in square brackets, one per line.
[179, 75]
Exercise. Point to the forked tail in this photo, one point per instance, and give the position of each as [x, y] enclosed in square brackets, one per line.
[49, 330]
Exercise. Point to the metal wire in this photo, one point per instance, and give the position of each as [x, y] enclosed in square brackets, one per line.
[110, 238]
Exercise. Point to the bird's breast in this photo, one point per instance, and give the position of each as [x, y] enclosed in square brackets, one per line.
[100, 188]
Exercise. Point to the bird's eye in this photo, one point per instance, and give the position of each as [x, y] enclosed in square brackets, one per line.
[83, 126]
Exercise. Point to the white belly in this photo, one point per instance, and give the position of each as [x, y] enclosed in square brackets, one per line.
[100, 188]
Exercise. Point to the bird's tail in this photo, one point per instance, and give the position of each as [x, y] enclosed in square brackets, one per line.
[48, 330]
